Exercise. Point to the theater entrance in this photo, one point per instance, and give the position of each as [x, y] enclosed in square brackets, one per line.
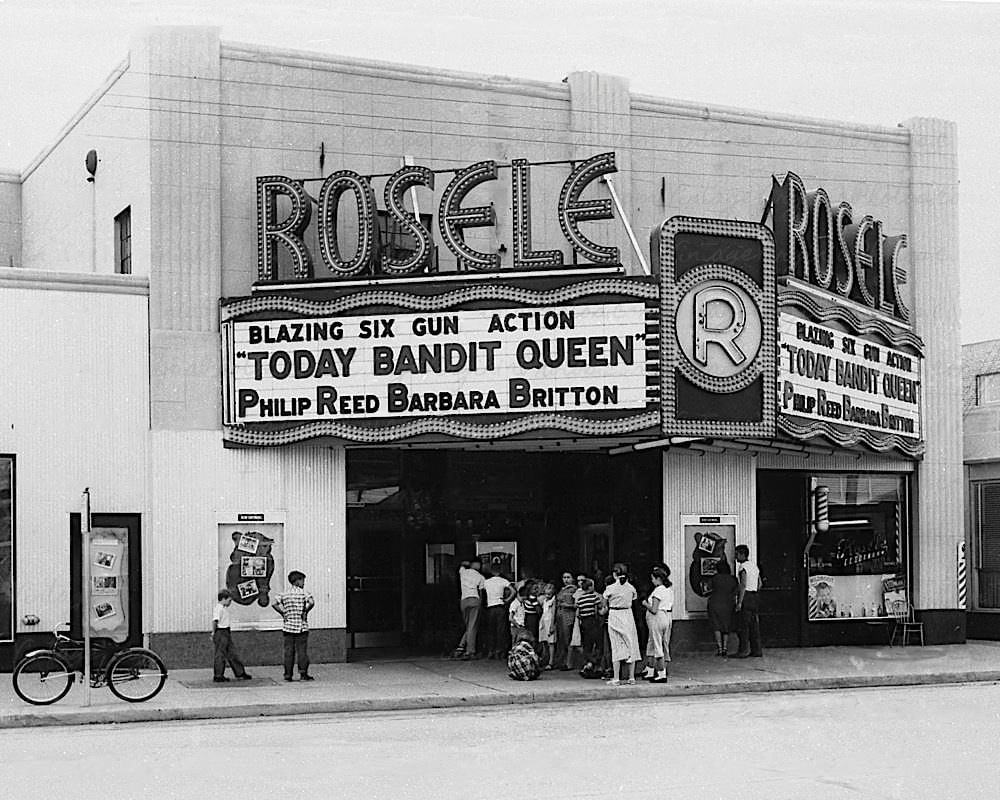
[414, 516]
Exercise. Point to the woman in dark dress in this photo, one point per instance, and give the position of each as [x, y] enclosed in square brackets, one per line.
[722, 605]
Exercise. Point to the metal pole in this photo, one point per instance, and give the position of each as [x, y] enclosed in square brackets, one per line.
[85, 594]
[93, 227]
[628, 228]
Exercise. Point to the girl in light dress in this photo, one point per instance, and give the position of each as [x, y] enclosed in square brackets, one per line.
[547, 626]
[659, 620]
[621, 626]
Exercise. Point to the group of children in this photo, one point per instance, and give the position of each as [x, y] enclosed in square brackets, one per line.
[574, 625]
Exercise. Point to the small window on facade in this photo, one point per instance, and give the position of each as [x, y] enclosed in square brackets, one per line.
[988, 388]
[123, 242]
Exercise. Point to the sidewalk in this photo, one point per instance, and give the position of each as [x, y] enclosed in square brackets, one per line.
[435, 683]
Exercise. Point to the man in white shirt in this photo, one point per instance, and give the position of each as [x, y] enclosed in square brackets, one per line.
[499, 592]
[472, 585]
[748, 604]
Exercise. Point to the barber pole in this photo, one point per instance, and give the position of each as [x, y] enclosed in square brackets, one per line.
[899, 533]
[962, 576]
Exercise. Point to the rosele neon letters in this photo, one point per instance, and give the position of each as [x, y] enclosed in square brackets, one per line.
[452, 219]
[834, 250]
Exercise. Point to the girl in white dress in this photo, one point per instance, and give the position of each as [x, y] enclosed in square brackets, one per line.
[659, 619]
[547, 626]
[621, 626]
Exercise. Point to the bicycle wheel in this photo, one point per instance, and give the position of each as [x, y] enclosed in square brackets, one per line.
[42, 678]
[136, 675]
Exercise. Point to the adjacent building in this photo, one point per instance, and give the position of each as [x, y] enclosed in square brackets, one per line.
[981, 426]
[368, 320]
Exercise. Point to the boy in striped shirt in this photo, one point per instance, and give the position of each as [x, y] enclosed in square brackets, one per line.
[587, 602]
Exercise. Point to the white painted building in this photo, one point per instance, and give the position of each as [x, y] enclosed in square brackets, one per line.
[114, 380]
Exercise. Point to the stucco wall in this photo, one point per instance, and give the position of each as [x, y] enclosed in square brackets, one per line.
[68, 222]
[77, 417]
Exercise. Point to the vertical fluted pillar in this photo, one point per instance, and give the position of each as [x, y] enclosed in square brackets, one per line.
[601, 121]
[183, 68]
[933, 251]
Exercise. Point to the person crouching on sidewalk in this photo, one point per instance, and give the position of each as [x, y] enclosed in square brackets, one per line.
[225, 651]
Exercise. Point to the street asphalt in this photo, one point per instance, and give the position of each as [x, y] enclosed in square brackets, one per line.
[903, 742]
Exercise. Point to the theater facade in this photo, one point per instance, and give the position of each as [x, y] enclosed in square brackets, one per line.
[367, 320]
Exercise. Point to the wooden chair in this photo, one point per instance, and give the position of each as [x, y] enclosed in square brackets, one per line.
[906, 625]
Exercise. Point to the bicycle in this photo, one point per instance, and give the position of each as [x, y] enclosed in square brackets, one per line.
[133, 674]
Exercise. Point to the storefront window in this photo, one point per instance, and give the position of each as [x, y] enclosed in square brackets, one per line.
[986, 497]
[857, 566]
[6, 549]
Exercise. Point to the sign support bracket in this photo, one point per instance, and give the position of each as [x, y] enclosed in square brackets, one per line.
[628, 228]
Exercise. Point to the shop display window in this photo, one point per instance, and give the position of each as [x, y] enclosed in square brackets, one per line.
[986, 521]
[857, 565]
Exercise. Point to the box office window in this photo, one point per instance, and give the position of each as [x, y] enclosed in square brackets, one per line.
[857, 566]
[6, 548]
[986, 500]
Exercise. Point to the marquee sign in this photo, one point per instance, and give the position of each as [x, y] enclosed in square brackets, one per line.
[718, 321]
[826, 374]
[275, 230]
[476, 362]
[835, 249]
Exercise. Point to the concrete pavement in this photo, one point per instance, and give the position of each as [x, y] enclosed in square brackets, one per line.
[436, 683]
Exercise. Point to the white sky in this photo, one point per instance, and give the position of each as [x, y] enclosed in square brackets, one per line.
[873, 62]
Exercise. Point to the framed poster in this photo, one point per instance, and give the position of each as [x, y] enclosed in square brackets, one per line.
[708, 539]
[109, 599]
[251, 565]
[498, 558]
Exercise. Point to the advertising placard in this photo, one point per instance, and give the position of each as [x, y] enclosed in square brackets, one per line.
[507, 360]
[575, 356]
[831, 376]
[499, 558]
[708, 539]
[109, 583]
[718, 322]
[251, 567]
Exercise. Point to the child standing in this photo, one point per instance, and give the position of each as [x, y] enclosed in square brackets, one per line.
[659, 619]
[515, 614]
[547, 626]
[294, 606]
[225, 651]
[587, 602]
[532, 612]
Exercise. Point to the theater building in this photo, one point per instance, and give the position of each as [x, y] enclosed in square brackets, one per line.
[367, 320]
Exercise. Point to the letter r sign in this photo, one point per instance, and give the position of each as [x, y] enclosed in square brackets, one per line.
[718, 318]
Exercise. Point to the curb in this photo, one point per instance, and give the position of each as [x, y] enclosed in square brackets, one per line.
[131, 714]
